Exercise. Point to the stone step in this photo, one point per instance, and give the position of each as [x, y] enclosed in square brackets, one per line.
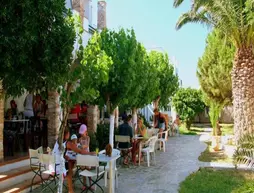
[22, 187]
[15, 176]
[13, 164]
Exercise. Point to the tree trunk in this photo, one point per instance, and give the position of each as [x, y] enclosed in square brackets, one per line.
[111, 130]
[134, 119]
[1, 121]
[188, 125]
[243, 91]
[156, 106]
[53, 117]
[116, 117]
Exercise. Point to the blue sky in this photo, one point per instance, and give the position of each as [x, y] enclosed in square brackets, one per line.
[154, 23]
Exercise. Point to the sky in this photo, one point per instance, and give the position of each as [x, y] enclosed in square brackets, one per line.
[154, 24]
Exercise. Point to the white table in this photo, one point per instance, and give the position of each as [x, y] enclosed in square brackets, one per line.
[111, 160]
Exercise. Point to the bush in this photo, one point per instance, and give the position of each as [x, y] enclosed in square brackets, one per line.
[102, 135]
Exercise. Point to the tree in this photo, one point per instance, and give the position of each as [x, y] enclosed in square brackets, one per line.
[37, 43]
[89, 70]
[244, 153]
[188, 104]
[235, 20]
[122, 48]
[214, 69]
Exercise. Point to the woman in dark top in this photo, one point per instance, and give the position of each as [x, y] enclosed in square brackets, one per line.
[160, 120]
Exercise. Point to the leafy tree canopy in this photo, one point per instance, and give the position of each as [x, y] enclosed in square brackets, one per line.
[214, 69]
[36, 44]
[125, 52]
[188, 104]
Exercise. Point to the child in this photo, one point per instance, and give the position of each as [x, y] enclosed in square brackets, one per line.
[70, 153]
[84, 142]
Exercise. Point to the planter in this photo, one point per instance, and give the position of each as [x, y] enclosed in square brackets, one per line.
[216, 143]
[229, 150]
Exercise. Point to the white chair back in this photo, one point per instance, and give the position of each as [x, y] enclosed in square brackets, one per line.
[152, 143]
[87, 160]
[47, 159]
[163, 135]
[122, 138]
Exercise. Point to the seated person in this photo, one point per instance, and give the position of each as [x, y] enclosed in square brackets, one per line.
[141, 129]
[13, 111]
[38, 106]
[126, 130]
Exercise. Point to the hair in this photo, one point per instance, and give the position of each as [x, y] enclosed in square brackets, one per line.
[128, 118]
[156, 110]
[14, 103]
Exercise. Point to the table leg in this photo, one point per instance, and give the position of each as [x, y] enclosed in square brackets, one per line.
[139, 154]
[25, 139]
[111, 187]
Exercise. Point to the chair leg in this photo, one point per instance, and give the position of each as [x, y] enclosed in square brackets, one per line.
[116, 173]
[148, 158]
[164, 144]
[154, 157]
[105, 178]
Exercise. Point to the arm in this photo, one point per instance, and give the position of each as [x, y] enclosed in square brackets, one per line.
[74, 148]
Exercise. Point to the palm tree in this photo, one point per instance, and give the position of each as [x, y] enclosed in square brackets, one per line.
[245, 150]
[236, 19]
[1, 119]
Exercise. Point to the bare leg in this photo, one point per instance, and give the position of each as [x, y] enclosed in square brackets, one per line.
[70, 174]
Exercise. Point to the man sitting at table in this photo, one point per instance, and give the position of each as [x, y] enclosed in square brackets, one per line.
[126, 130]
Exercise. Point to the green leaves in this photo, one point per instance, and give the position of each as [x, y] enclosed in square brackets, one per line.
[233, 18]
[245, 150]
[214, 69]
[36, 45]
[188, 103]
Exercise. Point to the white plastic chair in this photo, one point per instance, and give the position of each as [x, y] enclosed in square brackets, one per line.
[162, 139]
[115, 152]
[90, 161]
[150, 149]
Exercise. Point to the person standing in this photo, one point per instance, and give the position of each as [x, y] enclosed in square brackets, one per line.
[28, 105]
[160, 120]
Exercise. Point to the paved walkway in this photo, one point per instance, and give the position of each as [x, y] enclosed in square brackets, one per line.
[172, 167]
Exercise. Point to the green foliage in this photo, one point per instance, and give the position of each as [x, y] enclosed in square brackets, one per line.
[127, 56]
[214, 114]
[233, 18]
[214, 69]
[188, 103]
[36, 45]
[218, 181]
[165, 82]
[102, 135]
[89, 70]
[245, 150]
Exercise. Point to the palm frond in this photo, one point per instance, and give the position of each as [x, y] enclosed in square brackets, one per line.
[191, 17]
[177, 3]
[245, 151]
